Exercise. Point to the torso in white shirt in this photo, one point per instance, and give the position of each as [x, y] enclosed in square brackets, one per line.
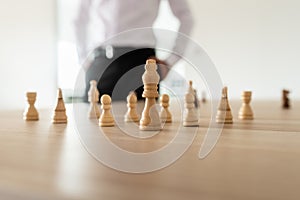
[113, 17]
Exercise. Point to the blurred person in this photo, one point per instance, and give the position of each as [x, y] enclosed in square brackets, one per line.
[110, 61]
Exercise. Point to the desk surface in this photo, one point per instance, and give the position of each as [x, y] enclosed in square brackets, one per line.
[253, 160]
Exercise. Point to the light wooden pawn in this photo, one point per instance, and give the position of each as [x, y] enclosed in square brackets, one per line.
[191, 116]
[131, 114]
[150, 120]
[245, 111]
[106, 119]
[59, 115]
[165, 114]
[93, 98]
[224, 115]
[30, 113]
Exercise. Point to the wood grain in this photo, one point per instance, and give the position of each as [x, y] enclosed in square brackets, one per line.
[41, 160]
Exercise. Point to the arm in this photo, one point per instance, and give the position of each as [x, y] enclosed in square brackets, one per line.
[181, 10]
[80, 25]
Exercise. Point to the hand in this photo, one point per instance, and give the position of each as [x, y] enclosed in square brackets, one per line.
[87, 63]
[163, 67]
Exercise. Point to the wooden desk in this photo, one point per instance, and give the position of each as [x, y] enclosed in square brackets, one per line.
[259, 160]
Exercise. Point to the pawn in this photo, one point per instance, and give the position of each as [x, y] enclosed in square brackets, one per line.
[93, 98]
[246, 111]
[191, 116]
[31, 114]
[165, 114]
[106, 119]
[131, 114]
[285, 99]
[224, 115]
[59, 115]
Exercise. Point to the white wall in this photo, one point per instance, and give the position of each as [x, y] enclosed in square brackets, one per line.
[255, 44]
[27, 52]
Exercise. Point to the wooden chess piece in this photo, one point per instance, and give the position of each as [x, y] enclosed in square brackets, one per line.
[93, 98]
[165, 114]
[150, 120]
[194, 92]
[59, 115]
[245, 110]
[203, 97]
[224, 115]
[285, 99]
[31, 114]
[106, 119]
[131, 114]
[191, 116]
[196, 101]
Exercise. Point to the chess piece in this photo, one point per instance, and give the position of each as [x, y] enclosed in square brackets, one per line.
[224, 115]
[196, 101]
[165, 114]
[59, 115]
[203, 97]
[150, 120]
[31, 114]
[285, 99]
[93, 98]
[191, 116]
[106, 119]
[246, 111]
[194, 92]
[131, 114]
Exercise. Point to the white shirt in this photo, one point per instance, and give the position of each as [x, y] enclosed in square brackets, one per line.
[117, 16]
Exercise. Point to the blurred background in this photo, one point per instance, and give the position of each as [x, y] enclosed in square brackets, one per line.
[254, 45]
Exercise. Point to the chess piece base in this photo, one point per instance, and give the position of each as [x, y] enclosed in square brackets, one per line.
[59, 121]
[107, 124]
[31, 118]
[166, 120]
[93, 115]
[129, 119]
[224, 117]
[243, 117]
[94, 112]
[191, 124]
[150, 128]
[227, 121]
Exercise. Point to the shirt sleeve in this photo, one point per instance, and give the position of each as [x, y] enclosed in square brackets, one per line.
[181, 10]
[80, 27]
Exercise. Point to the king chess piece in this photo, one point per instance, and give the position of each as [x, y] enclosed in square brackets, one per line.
[150, 120]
